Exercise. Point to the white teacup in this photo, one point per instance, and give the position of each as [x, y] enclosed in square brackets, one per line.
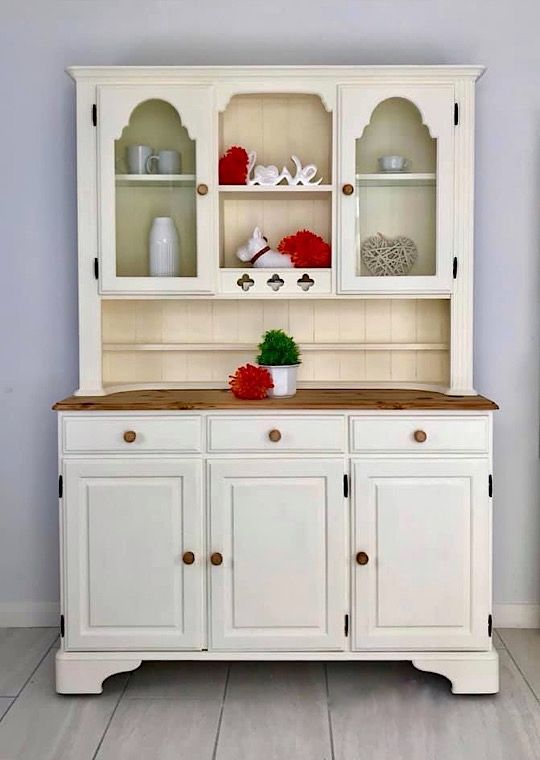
[393, 163]
[167, 162]
[137, 156]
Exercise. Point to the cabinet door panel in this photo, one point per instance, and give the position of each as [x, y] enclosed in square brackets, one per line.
[425, 527]
[402, 122]
[126, 526]
[280, 526]
[157, 117]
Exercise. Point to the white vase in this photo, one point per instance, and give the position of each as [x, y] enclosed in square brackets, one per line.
[284, 379]
[163, 248]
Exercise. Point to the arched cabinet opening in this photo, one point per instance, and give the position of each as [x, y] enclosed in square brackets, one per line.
[397, 220]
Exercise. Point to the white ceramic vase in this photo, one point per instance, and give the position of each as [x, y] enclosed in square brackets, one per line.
[284, 379]
[163, 248]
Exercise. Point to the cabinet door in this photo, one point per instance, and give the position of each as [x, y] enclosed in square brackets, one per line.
[126, 526]
[396, 226]
[424, 525]
[160, 118]
[280, 528]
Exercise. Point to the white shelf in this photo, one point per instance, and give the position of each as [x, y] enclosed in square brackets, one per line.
[304, 347]
[403, 179]
[258, 189]
[151, 180]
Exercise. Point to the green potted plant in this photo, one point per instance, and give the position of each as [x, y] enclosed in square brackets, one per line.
[280, 355]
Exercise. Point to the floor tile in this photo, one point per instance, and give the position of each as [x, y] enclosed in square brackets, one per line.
[177, 680]
[498, 643]
[43, 725]
[275, 711]
[4, 704]
[524, 646]
[390, 710]
[21, 650]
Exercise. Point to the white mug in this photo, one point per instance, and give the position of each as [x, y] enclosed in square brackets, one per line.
[137, 156]
[393, 163]
[168, 162]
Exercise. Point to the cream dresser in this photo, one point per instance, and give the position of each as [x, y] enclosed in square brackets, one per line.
[350, 522]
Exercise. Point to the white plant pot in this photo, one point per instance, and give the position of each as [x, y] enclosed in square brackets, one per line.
[284, 379]
[164, 258]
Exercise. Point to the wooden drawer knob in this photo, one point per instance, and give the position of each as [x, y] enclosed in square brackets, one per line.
[362, 558]
[347, 189]
[129, 436]
[202, 189]
[274, 436]
[420, 436]
[188, 558]
[216, 558]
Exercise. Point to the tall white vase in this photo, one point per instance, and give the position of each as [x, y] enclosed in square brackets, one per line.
[163, 246]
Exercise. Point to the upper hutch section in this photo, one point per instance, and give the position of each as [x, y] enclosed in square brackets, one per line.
[357, 183]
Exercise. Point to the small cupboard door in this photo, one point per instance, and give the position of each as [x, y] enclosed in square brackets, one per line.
[279, 527]
[127, 525]
[173, 124]
[409, 194]
[422, 580]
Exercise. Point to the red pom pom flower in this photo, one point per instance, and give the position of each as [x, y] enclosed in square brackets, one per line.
[307, 250]
[250, 382]
[233, 166]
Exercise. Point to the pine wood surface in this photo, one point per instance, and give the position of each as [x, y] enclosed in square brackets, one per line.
[176, 400]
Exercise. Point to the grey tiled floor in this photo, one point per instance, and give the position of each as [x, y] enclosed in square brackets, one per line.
[267, 711]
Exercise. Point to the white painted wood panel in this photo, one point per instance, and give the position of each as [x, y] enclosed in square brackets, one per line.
[127, 524]
[280, 527]
[307, 433]
[444, 434]
[425, 527]
[105, 434]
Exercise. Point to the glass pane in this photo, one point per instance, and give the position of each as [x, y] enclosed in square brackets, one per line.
[396, 175]
[155, 195]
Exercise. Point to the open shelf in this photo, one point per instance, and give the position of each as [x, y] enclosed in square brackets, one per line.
[397, 179]
[151, 180]
[253, 347]
[259, 189]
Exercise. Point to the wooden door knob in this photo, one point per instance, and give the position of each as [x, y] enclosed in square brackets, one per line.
[362, 558]
[347, 189]
[274, 435]
[188, 558]
[202, 189]
[420, 436]
[129, 436]
[216, 558]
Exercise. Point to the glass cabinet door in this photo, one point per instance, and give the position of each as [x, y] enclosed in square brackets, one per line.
[156, 175]
[396, 195]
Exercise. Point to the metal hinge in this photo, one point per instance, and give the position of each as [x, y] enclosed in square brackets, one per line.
[96, 268]
[490, 486]
[490, 625]
[346, 485]
[60, 486]
[456, 114]
[94, 115]
[346, 625]
[454, 268]
[62, 626]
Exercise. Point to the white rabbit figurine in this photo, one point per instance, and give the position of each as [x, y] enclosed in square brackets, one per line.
[259, 254]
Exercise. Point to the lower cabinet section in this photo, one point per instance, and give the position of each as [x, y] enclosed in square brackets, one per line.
[279, 555]
[423, 528]
[279, 527]
[126, 526]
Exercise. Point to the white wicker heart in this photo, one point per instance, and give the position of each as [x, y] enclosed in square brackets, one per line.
[385, 256]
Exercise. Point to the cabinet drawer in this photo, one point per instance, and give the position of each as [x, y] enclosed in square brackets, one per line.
[420, 434]
[115, 434]
[276, 433]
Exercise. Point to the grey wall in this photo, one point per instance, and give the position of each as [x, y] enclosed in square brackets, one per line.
[38, 317]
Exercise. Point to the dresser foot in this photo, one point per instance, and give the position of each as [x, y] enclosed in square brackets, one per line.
[468, 672]
[84, 673]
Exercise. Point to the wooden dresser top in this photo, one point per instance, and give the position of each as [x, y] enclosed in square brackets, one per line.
[179, 400]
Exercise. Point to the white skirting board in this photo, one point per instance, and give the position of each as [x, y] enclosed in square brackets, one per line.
[45, 614]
